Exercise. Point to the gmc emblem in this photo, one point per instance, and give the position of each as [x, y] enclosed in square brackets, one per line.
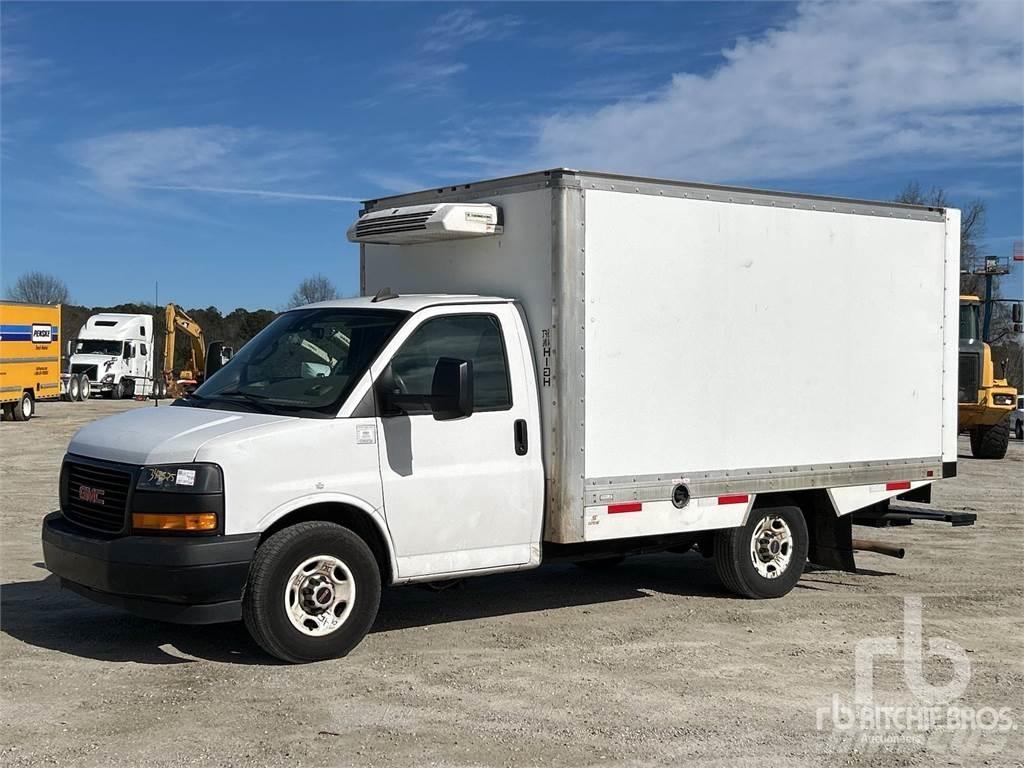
[91, 495]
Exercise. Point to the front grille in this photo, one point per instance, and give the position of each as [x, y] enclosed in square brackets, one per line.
[96, 495]
[88, 370]
[970, 373]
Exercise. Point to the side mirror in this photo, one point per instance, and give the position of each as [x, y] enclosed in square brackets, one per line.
[69, 345]
[217, 355]
[451, 391]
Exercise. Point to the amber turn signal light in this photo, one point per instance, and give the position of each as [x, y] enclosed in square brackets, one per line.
[200, 521]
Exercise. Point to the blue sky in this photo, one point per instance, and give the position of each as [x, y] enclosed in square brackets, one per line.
[220, 148]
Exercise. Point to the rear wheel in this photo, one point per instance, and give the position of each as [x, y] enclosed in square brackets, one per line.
[25, 407]
[74, 389]
[86, 387]
[313, 592]
[990, 442]
[766, 556]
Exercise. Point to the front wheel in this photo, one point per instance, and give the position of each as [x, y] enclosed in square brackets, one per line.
[766, 556]
[313, 592]
[119, 390]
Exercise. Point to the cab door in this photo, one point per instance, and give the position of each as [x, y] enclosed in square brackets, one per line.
[462, 494]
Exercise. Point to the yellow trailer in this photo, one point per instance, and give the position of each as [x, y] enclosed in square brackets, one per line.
[29, 357]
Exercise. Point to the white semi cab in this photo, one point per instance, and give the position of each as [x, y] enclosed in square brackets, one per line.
[115, 351]
[560, 365]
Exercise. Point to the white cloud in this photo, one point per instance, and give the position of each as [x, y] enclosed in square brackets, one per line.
[839, 85]
[434, 63]
[131, 165]
[17, 65]
[464, 26]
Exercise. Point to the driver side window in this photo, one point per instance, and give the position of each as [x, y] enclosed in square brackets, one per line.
[476, 338]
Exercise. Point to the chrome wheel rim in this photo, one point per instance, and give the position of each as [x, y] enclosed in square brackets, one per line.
[319, 595]
[771, 547]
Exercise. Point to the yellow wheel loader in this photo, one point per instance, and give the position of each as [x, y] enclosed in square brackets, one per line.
[985, 402]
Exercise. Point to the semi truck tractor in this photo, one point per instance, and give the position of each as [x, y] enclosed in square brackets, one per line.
[115, 351]
[984, 401]
[559, 366]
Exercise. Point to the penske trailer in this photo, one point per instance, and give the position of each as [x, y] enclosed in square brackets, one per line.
[29, 357]
[562, 365]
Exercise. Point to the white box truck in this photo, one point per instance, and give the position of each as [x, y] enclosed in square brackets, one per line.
[115, 352]
[560, 365]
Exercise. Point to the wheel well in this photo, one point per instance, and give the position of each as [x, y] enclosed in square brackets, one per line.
[348, 516]
[831, 535]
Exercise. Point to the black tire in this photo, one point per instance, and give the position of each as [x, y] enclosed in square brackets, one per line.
[74, 389]
[8, 412]
[990, 442]
[85, 388]
[119, 390]
[25, 407]
[734, 559]
[1019, 430]
[276, 560]
[600, 563]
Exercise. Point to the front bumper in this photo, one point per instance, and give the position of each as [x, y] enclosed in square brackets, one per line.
[172, 578]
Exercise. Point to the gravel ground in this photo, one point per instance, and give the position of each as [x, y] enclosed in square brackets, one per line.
[650, 663]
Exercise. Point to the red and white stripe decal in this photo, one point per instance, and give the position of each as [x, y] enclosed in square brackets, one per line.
[738, 498]
[633, 506]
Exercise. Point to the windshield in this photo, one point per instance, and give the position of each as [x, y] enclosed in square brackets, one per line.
[969, 321]
[304, 363]
[98, 347]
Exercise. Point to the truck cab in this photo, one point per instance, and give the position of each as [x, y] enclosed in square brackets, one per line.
[984, 402]
[335, 411]
[115, 351]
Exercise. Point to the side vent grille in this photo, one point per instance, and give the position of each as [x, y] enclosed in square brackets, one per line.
[383, 225]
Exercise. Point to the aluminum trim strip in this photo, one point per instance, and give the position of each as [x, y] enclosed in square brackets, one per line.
[764, 198]
[609, 490]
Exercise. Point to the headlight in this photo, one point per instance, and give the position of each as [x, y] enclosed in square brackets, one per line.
[181, 478]
[1003, 399]
[108, 379]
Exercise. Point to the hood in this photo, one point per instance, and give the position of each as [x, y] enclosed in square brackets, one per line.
[83, 358]
[161, 435]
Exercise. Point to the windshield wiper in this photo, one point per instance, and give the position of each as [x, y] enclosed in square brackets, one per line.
[250, 397]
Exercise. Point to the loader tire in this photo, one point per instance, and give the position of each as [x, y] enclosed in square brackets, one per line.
[765, 557]
[990, 442]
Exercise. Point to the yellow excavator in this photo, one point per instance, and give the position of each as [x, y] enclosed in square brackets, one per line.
[203, 360]
[984, 402]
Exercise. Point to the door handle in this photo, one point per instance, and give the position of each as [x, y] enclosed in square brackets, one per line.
[521, 438]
